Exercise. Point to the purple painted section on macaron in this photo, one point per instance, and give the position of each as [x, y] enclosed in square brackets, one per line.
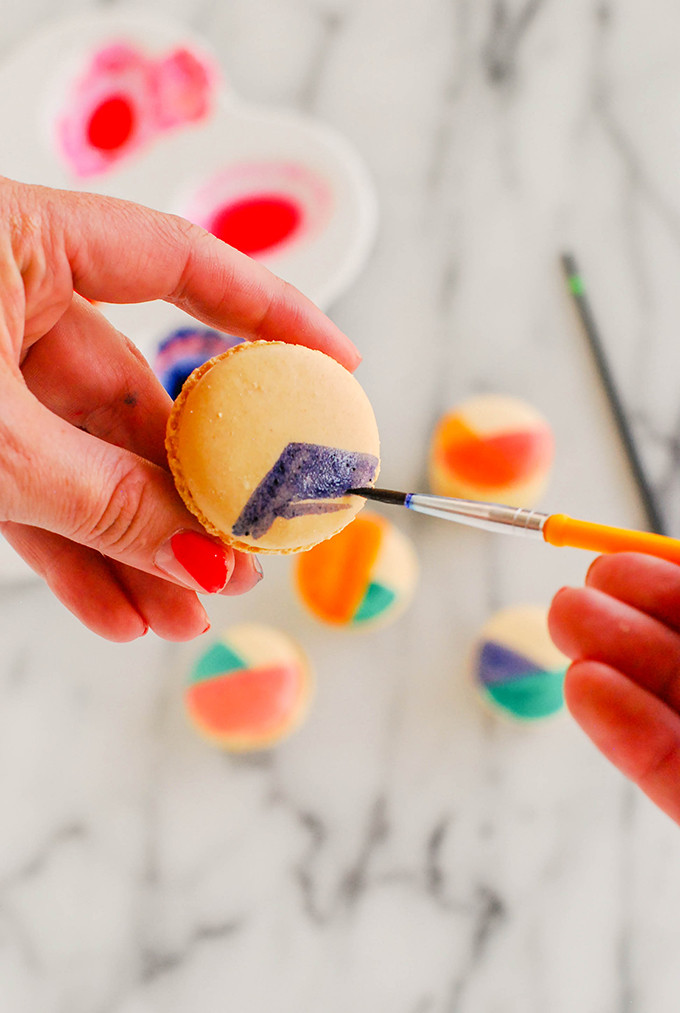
[499, 664]
[304, 476]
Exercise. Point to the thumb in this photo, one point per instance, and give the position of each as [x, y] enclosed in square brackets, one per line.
[59, 478]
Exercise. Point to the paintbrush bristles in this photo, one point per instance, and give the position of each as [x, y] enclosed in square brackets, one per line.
[381, 495]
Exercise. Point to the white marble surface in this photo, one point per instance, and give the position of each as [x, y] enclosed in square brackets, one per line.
[404, 853]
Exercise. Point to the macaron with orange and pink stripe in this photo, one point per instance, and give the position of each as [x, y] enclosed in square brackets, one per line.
[492, 448]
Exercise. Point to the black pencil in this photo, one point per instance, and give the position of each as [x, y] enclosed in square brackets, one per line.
[577, 290]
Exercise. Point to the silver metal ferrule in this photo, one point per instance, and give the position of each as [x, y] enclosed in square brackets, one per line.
[487, 516]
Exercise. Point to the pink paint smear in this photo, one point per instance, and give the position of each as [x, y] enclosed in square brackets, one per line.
[125, 99]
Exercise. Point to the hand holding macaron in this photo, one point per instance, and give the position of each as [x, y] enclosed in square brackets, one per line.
[85, 494]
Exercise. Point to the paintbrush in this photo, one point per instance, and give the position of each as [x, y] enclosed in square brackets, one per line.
[556, 529]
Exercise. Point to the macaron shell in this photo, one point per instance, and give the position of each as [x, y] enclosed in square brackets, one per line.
[250, 689]
[235, 417]
[514, 684]
[524, 629]
[492, 448]
[517, 669]
[397, 564]
[496, 460]
[261, 700]
[520, 494]
[332, 578]
[362, 577]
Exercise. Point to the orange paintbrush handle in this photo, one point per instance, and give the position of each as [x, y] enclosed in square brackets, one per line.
[562, 530]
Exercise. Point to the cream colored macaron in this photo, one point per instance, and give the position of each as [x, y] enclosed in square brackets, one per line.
[361, 578]
[250, 688]
[492, 447]
[264, 442]
[517, 669]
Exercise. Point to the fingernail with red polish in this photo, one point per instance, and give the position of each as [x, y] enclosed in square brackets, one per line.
[247, 574]
[196, 560]
[257, 567]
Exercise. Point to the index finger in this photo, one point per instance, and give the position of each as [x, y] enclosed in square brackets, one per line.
[589, 625]
[636, 731]
[122, 252]
[648, 584]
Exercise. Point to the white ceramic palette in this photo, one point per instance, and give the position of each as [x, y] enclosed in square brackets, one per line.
[134, 106]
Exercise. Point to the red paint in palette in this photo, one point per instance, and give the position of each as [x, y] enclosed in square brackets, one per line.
[124, 99]
[111, 124]
[258, 223]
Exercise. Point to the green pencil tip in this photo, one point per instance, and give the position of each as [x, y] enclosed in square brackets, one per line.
[576, 285]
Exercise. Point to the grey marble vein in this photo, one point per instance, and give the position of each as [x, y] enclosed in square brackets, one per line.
[506, 34]
[331, 25]
[490, 913]
[155, 963]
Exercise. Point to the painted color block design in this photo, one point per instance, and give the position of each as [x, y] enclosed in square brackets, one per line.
[517, 668]
[249, 689]
[491, 448]
[363, 576]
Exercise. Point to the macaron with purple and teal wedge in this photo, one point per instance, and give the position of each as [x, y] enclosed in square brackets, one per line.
[517, 669]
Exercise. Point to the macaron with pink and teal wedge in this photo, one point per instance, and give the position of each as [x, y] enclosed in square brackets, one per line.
[250, 688]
